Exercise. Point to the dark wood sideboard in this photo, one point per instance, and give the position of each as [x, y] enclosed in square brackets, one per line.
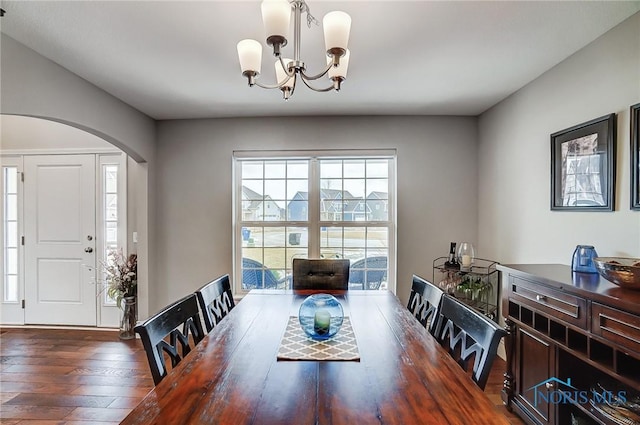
[568, 328]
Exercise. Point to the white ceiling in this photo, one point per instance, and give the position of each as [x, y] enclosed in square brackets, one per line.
[177, 59]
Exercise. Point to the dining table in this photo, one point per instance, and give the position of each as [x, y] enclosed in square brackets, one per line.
[234, 375]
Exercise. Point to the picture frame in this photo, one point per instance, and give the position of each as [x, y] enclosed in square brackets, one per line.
[635, 156]
[583, 166]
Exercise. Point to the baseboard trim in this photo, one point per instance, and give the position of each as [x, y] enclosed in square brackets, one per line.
[79, 328]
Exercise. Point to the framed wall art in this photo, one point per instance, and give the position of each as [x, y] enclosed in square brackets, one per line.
[635, 157]
[583, 162]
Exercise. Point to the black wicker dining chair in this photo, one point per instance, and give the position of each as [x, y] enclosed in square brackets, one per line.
[424, 302]
[172, 332]
[216, 301]
[477, 335]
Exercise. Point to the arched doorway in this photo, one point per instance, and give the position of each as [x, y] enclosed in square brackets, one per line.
[28, 142]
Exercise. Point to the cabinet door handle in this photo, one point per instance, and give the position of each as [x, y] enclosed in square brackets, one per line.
[549, 385]
[541, 298]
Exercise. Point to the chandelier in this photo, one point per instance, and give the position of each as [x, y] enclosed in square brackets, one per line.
[276, 16]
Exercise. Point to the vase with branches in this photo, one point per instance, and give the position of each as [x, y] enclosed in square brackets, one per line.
[121, 277]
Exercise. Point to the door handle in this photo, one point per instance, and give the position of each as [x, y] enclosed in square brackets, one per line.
[88, 250]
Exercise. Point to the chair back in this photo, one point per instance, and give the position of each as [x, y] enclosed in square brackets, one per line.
[256, 276]
[476, 334]
[424, 302]
[370, 272]
[216, 301]
[320, 273]
[161, 335]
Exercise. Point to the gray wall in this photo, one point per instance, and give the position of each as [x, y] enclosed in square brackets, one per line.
[436, 183]
[32, 85]
[20, 133]
[36, 86]
[515, 221]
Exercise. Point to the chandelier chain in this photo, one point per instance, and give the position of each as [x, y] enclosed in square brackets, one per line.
[304, 8]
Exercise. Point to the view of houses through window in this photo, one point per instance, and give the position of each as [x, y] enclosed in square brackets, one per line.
[314, 208]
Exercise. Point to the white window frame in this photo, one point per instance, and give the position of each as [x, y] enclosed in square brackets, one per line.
[314, 224]
[108, 312]
[12, 312]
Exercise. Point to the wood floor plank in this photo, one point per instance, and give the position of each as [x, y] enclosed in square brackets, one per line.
[60, 400]
[6, 396]
[109, 371]
[78, 379]
[36, 369]
[97, 414]
[91, 363]
[36, 387]
[115, 391]
[125, 402]
[35, 412]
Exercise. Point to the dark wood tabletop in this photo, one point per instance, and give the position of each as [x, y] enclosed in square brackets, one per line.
[233, 376]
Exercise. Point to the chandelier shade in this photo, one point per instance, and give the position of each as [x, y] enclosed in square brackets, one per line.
[250, 55]
[276, 16]
[337, 26]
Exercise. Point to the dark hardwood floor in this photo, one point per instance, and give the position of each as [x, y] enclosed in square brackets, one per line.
[77, 377]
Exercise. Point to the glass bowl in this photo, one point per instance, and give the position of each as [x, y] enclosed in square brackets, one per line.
[624, 272]
[321, 316]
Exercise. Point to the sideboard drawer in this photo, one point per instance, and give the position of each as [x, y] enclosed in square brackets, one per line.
[566, 307]
[615, 325]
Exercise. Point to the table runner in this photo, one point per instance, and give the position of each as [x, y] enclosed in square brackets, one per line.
[296, 345]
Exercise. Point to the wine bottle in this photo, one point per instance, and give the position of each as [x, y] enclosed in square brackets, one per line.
[452, 261]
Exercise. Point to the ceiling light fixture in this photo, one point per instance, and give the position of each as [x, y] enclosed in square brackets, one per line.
[276, 15]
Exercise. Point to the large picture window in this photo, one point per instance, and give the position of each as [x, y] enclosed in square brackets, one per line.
[326, 205]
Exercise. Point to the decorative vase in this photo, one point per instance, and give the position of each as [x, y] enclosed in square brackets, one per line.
[582, 260]
[129, 318]
[321, 316]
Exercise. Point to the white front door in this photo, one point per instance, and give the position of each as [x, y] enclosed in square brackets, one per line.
[59, 207]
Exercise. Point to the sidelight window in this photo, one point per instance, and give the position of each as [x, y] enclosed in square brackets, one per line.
[10, 233]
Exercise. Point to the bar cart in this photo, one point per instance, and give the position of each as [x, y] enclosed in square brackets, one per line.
[477, 286]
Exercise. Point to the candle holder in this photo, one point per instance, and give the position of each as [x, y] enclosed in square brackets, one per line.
[466, 255]
[321, 316]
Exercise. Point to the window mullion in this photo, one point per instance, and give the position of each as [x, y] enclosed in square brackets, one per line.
[314, 208]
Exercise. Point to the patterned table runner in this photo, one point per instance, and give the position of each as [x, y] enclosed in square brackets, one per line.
[296, 345]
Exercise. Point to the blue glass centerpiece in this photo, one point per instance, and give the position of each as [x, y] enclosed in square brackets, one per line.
[321, 316]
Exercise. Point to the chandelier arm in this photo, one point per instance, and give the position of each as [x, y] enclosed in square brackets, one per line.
[315, 77]
[270, 86]
[304, 80]
[290, 75]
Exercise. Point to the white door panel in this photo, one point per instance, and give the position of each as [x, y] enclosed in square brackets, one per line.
[60, 228]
